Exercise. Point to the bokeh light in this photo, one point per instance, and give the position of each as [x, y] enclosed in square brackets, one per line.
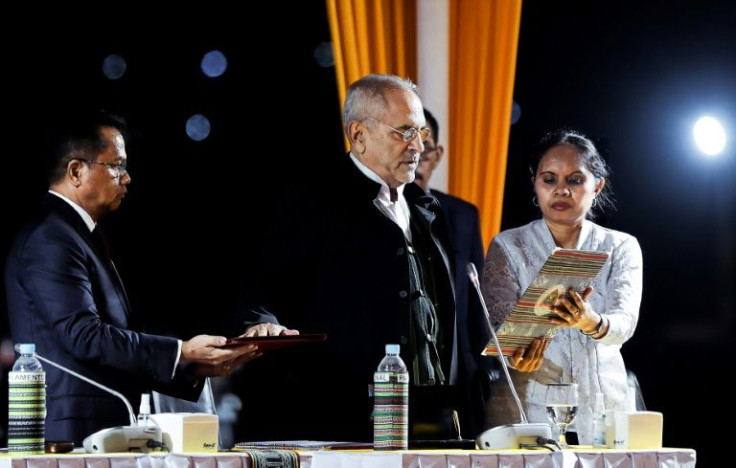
[709, 135]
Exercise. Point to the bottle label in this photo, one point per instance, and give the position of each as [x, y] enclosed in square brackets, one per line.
[26, 412]
[23, 377]
[401, 377]
[391, 411]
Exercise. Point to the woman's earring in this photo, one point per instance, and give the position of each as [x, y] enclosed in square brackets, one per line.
[595, 202]
[535, 202]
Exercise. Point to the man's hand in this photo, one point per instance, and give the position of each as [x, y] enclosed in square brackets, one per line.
[228, 367]
[212, 359]
[269, 329]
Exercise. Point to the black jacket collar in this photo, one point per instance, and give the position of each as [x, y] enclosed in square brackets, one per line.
[367, 189]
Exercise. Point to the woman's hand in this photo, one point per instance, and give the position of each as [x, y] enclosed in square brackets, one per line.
[574, 311]
[530, 359]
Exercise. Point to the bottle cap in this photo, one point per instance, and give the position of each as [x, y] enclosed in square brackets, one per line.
[392, 349]
[145, 404]
[26, 348]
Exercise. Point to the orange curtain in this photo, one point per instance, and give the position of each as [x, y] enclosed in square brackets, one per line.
[372, 36]
[483, 44]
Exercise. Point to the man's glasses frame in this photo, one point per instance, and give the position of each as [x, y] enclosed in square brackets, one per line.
[410, 133]
[116, 170]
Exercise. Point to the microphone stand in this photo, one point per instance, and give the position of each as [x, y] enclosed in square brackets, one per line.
[133, 438]
[133, 419]
[508, 436]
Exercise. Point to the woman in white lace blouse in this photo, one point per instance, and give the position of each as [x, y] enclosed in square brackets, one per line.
[569, 178]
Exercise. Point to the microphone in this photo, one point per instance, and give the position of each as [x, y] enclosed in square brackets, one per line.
[116, 439]
[507, 436]
[133, 420]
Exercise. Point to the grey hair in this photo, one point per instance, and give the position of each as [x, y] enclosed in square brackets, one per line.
[366, 97]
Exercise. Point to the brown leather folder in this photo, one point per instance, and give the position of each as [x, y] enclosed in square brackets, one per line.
[271, 342]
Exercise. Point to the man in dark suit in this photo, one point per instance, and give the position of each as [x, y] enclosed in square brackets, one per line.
[64, 294]
[463, 226]
[362, 257]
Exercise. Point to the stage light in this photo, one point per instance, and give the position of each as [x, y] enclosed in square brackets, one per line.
[214, 63]
[324, 55]
[709, 135]
[515, 112]
[198, 127]
[114, 66]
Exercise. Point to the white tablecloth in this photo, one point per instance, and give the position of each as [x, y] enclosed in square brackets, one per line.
[662, 458]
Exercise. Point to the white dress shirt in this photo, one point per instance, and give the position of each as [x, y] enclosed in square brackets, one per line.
[90, 223]
[397, 211]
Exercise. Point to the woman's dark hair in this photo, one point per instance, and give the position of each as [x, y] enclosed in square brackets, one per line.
[588, 156]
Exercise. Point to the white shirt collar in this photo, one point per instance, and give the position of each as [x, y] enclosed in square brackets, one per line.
[85, 216]
[384, 195]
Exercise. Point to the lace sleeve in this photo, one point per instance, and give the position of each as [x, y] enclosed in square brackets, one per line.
[623, 292]
[499, 284]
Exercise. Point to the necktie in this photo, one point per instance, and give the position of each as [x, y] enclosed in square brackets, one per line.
[101, 242]
[103, 246]
[394, 195]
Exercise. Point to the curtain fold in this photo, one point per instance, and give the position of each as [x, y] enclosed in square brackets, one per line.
[379, 36]
[483, 47]
[372, 36]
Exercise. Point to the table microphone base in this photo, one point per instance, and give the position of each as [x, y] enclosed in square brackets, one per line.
[124, 439]
[511, 436]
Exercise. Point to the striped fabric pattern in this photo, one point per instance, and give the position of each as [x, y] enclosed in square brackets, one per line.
[391, 411]
[26, 412]
[564, 269]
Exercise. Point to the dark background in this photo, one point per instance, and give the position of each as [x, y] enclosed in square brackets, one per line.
[633, 77]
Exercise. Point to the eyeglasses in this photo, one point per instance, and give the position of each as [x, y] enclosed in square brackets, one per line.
[410, 133]
[116, 170]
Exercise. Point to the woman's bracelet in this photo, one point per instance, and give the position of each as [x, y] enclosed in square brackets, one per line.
[597, 328]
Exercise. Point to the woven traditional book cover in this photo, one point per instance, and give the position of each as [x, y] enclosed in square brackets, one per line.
[564, 269]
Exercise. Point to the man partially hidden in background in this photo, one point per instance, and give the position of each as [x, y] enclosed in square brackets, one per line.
[466, 245]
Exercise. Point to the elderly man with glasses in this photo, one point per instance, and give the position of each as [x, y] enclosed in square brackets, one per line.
[364, 259]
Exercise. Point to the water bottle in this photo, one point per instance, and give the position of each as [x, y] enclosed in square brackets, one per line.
[599, 422]
[26, 403]
[391, 402]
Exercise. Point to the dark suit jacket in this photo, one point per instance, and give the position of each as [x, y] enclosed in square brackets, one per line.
[463, 226]
[337, 264]
[64, 296]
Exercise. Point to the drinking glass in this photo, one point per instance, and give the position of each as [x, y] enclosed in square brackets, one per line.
[562, 406]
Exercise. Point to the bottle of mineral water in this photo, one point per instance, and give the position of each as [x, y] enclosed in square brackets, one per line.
[599, 422]
[26, 403]
[391, 404]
